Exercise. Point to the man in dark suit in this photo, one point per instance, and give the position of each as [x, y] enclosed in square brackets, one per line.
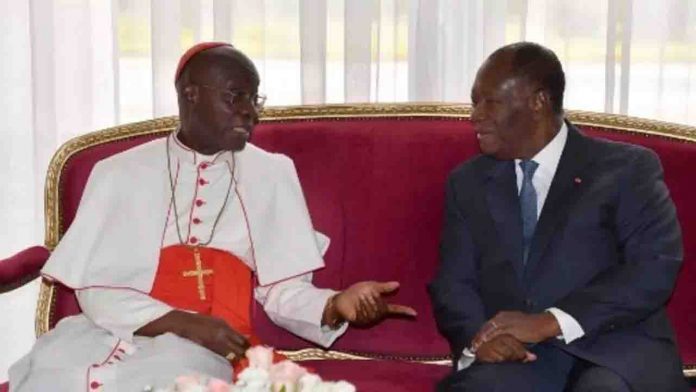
[558, 251]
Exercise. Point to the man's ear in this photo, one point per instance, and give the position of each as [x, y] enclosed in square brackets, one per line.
[540, 101]
[191, 93]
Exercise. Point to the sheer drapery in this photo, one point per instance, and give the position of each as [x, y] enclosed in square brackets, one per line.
[73, 66]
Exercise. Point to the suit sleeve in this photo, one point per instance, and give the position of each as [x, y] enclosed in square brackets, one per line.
[454, 292]
[649, 240]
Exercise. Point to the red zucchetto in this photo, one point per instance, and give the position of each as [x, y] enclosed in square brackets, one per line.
[195, 49]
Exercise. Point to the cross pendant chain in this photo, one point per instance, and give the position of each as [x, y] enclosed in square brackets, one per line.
[198, 273]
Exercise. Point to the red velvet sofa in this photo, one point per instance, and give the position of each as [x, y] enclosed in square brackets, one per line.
[373, 176]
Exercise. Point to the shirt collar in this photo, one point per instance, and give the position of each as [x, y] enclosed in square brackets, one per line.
[185, 154]
[550, 155]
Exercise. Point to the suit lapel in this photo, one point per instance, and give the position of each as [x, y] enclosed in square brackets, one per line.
[504, 206]
[562, 194]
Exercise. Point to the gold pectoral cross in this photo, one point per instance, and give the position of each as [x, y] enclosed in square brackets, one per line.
[199, 273]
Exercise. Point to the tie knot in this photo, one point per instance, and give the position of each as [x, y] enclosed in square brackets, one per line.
[528, 167]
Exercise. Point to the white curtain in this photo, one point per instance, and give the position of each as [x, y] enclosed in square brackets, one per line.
[73, 66]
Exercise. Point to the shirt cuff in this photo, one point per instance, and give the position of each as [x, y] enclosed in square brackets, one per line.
[327, 335]
[570, 328]
[467, 358]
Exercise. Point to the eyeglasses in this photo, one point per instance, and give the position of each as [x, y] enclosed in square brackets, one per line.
[237, 97]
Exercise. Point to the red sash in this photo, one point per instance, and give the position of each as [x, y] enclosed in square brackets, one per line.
[226, 287]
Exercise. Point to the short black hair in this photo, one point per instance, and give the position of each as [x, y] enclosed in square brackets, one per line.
[538, 64]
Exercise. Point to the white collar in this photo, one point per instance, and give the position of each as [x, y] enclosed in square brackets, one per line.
[188, 155]
[550, 155]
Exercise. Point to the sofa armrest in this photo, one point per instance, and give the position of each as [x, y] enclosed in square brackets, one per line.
[22, 268]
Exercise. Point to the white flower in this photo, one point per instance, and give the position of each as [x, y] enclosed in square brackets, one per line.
[313, 383]
[309, 381]
[286, 372]
[253, 380]
[260, 357]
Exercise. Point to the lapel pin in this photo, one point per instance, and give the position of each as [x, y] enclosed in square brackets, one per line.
[577, 180]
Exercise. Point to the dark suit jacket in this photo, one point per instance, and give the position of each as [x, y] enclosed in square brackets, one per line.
[606, 250]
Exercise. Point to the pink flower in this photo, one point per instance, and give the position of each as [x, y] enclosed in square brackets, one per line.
[217, 385]
[286, 372]
[260, 357]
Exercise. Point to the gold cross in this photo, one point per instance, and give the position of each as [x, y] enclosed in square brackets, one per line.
[199, 272]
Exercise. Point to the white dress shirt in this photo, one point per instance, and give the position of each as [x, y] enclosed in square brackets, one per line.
[548, 159]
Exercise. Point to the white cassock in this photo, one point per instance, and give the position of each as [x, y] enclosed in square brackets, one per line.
[110, 256]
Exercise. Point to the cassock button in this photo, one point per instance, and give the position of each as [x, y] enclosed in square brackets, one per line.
[193, 240]
[196, 221]
[117, 357]
[203, 166]
[94, 385]
[121, 350]
[199, 202]
[202, 181]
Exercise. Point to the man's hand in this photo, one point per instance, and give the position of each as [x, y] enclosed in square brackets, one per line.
[504, 348]
[525, 327]
[210, 332]
[363, 304]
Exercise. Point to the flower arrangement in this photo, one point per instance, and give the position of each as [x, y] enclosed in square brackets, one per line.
[262, 375]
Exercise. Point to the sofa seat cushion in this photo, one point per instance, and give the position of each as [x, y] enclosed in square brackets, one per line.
[381, 375]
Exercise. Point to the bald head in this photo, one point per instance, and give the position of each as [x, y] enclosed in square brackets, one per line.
[538, 65]
[213, 65]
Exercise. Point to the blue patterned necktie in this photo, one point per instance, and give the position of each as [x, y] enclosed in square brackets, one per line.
[528, 204]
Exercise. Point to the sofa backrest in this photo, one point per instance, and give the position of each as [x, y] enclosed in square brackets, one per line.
[373, 177]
